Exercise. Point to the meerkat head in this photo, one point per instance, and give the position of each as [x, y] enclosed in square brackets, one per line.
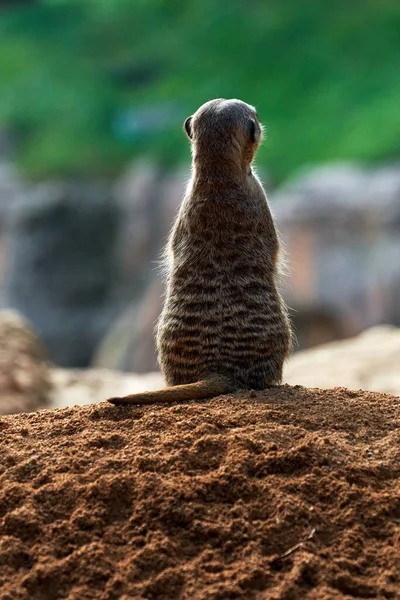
[225, 129]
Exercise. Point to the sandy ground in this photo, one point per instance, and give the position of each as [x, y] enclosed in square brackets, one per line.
[286, 494]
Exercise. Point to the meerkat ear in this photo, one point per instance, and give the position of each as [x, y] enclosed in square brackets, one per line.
[188, 127]
[253, 131]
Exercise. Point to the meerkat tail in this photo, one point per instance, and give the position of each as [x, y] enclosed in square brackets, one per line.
[207, 388]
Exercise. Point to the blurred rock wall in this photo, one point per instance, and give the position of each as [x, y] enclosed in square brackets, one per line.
[60, 265]
[341, 228]
[340, 231]
[81, 259]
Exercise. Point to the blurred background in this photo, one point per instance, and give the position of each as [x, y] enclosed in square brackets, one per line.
[93, 159]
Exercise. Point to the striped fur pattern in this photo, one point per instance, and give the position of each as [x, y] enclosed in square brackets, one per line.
[223, 313]
[224, 325]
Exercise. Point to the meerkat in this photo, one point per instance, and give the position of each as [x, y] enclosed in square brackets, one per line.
[224, 326]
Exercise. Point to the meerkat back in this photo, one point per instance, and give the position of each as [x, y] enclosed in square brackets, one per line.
[224, 325]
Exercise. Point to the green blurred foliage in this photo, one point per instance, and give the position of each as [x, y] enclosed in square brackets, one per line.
[324, 77]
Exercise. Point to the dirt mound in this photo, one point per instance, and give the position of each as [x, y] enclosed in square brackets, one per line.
[286, 494]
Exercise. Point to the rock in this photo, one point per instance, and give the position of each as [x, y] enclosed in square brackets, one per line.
[71, 387]
[137, 194]
[11, 187]
[149, 198]
[130, 343]
[343, 193]
[369, 361]
[24, 378]
[61, 269]
[340, 226]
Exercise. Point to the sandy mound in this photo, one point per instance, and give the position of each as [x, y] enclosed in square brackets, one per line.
[289, 494]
